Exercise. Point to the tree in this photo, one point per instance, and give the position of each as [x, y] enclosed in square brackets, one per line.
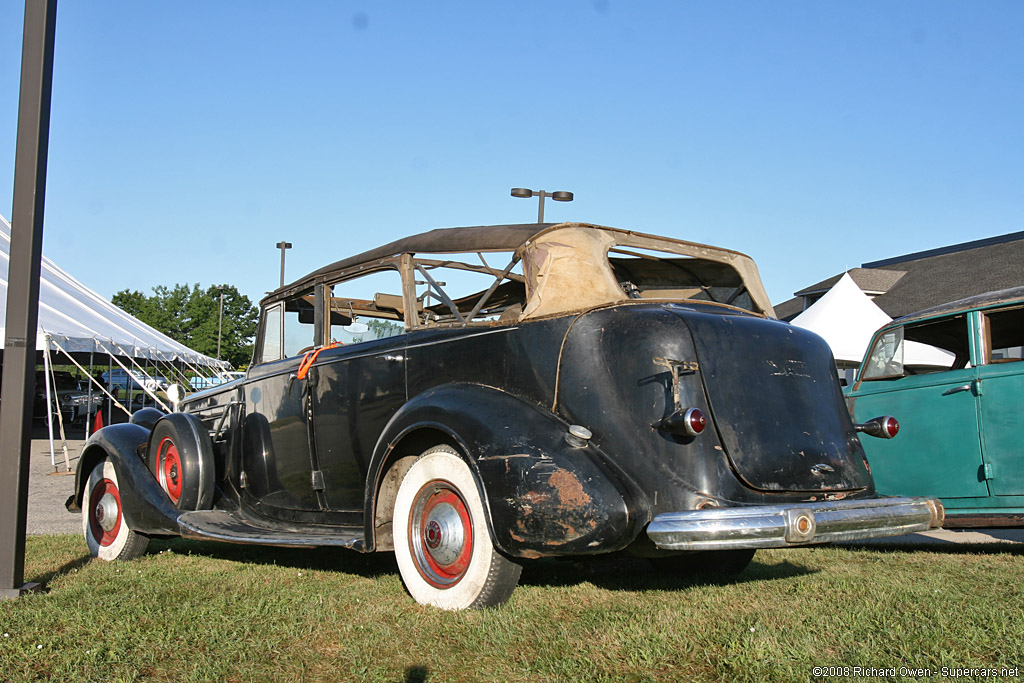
[190, 315]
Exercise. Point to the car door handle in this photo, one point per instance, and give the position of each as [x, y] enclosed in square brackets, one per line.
[957, 390]
[394, 357]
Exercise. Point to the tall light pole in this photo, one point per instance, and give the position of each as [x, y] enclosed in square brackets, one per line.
[220, 318]
[282, 246]
[523, 193]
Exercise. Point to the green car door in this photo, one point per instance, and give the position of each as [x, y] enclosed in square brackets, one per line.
[1001, 388]
[922, 375]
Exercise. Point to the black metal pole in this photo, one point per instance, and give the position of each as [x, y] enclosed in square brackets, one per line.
[282, 246]
[23, 290]
[220, 317]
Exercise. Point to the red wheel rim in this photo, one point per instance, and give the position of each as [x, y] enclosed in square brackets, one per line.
[441, 534]
[104, 505]
[168, 468]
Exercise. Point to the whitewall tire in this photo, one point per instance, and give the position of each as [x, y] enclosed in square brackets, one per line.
[443, 547]
[103, 524]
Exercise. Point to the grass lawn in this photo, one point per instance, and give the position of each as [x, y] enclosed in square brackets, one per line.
[193, 611]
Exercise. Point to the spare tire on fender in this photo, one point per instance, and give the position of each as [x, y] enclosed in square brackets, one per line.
[181, 457]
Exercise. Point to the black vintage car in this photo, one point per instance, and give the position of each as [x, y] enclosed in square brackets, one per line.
[473, 398]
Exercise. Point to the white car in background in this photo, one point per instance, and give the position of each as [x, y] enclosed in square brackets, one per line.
[222, 377]
[132, 380]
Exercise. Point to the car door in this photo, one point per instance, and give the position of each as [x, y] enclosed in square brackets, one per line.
[922, 375]
[1001, 387]
[355, 392]
[358, 384]
[277, 459]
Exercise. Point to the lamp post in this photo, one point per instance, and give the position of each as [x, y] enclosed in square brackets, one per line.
[282, 246]
[220, 318]
[559, 196]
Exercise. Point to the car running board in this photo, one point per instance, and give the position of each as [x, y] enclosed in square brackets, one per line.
[218, 525]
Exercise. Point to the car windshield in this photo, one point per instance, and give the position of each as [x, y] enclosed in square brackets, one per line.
[917, 349]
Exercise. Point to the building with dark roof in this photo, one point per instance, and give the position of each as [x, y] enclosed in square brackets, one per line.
[905, 284]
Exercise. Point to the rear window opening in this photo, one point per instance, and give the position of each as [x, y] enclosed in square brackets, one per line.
[649, 274]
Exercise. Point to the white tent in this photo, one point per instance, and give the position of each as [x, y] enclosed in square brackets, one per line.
[76, 321]
[79, 320]
[847, 318]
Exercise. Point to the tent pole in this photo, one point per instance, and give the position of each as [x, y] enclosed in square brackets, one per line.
[88, 405]
[98, 384]
[143, 388]
[52, 379]
[49, 398]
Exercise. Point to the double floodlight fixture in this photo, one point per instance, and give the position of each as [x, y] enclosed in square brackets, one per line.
[559, 196]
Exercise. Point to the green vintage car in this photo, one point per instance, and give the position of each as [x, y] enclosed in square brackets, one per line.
[953, 377]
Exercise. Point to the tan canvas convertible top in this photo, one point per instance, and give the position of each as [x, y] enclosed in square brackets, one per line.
[566, 265]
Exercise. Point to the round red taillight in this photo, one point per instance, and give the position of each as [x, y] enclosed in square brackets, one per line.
[891, 426]
[695, 421]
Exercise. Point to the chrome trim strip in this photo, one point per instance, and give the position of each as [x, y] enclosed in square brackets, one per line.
[782, 526]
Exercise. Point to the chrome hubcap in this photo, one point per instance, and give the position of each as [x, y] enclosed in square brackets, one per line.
[106, 512]
[444, 534]
[440, 534]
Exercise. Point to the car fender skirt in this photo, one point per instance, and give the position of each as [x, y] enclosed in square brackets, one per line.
[543, 496]
[144, 504]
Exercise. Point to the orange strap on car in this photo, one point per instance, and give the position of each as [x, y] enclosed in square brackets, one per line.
[309, 358]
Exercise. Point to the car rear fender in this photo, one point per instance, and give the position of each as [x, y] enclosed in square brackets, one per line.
[144, 504]
[543, 496]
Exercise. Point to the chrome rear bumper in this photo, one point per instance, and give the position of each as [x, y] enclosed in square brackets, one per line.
[781, 526]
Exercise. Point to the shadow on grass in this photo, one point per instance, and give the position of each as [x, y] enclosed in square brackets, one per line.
[939, 547]
[367, 565]
[610, 573]
[637, 574]
[45, 578]
[416, 674]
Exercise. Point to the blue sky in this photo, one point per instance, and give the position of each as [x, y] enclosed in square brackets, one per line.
[187, 138]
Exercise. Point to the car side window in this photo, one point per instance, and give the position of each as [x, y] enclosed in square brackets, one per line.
[463, 289]
[271, 349]
[366, 307]
[919, 348]
[299, 325]
[1004, 335]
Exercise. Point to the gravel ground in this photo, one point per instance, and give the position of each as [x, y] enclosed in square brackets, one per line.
[50, 486]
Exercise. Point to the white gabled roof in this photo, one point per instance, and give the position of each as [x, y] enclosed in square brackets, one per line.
[81, 321]
[846, 318]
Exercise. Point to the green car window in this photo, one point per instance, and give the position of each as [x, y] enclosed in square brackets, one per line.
[919, 348]
[1004, 335]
